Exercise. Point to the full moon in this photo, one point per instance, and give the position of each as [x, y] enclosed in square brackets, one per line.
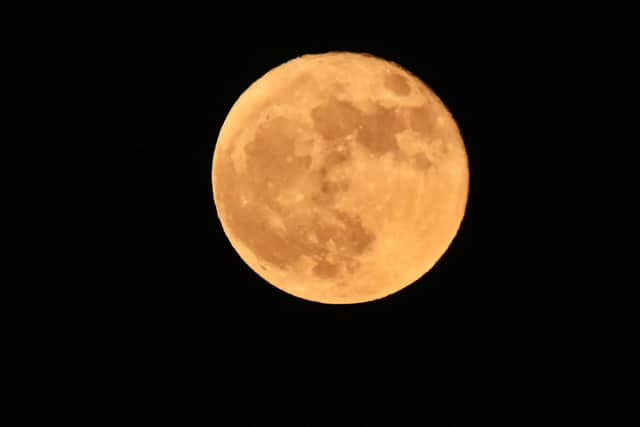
[340, 177]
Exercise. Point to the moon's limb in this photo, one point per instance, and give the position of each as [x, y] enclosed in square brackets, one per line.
[340, 178]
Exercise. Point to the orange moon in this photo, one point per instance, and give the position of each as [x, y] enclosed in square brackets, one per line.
[340, 177]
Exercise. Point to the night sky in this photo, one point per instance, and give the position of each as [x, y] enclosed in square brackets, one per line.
[148, 314]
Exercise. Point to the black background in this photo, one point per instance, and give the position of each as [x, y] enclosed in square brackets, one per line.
[150, 316]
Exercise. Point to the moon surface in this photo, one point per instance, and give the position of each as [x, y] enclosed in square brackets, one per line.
[340, 177]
